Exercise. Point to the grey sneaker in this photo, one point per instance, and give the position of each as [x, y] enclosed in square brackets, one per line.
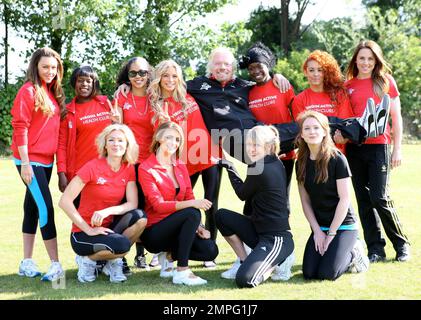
[382, 114]
[403, 254]
[360, 261]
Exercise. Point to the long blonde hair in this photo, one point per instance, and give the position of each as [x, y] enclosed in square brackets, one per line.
[327, 149]
[132, 148]
[42, 101]
[382, 68]
[155, 91]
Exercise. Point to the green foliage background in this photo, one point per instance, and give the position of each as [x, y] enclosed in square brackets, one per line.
[105, 33]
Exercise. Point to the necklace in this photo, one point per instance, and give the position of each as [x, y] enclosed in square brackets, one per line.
[137, 110]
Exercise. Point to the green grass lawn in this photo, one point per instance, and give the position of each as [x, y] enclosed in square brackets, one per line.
[388, 280]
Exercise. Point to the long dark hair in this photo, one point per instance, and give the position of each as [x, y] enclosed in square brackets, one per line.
[327, 150]
[380, 81]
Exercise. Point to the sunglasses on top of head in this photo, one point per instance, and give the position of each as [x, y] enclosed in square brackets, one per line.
[141, 73]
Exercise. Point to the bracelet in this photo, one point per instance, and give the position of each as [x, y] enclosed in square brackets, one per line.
[25, 163]
[331, 234]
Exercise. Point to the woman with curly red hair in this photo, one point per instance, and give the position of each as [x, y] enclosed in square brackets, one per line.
[326, 93]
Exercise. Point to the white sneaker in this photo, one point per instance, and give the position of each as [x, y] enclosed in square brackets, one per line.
[167, 267]
[188, 278]
[87, 269]
[209, 264]
[154, 262]
[359, 262]
[283, 271]
[28, 268]
[54, 273]
[114, 269]
[232, 272]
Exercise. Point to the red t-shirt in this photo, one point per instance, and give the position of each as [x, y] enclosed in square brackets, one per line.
[91, 118]
[270, 106]
[359, 91]
[199, 148]
[159, 189]
[137, 115]
[321, 102]
[103, 188]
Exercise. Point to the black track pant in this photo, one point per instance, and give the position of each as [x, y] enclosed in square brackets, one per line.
[85, 245]
[234, 142]
[176, 234]
[38, 204]
[211, 179]
[268, 250]
[336, 259]
[370, 167]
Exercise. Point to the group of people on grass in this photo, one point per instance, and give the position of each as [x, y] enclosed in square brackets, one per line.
[127, 167]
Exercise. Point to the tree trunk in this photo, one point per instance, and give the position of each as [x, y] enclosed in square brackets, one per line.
[6, 43]
[285, 41]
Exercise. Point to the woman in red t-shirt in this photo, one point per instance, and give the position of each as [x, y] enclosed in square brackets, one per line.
[104, 228]
[266, 102]
[137, 115]
[174, 227]
[87, 115]
[36, 121]
[326, 93]
[369, 76]
[170, 102]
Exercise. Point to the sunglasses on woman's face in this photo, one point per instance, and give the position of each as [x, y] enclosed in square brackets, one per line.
[141, 73]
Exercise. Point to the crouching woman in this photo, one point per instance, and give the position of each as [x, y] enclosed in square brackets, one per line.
[105, 226]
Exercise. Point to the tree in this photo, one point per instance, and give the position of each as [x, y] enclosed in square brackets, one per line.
[338, 37]
[278, 27]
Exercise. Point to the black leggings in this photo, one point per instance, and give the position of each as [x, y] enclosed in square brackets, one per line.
[211, 179]
[336, 259]
[176, 234]
[269, 250]
[38, 204]
[116, 243]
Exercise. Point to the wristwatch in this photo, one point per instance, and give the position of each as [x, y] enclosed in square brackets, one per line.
[330, 233]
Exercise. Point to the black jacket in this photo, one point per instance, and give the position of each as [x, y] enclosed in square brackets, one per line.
[265, 195]
[223, 107]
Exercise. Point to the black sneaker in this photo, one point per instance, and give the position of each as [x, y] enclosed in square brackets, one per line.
[374, 257]
[140, 262]
[126, 269]
[403, 254]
